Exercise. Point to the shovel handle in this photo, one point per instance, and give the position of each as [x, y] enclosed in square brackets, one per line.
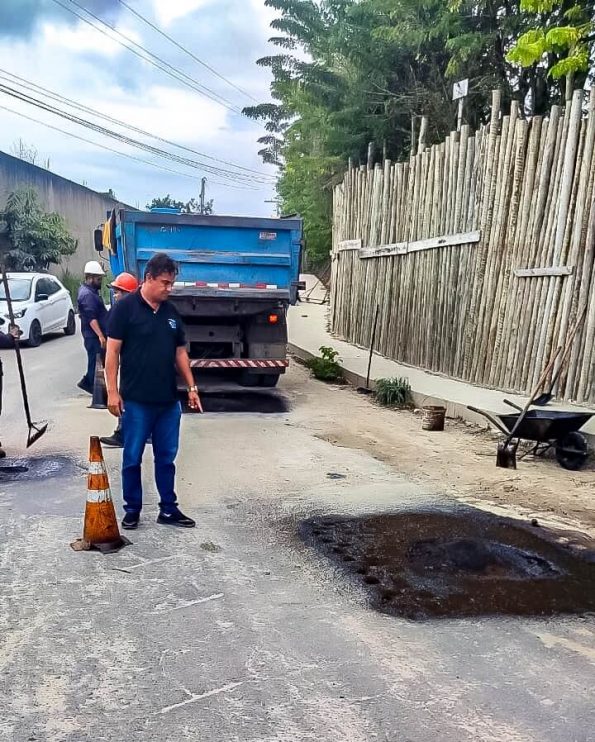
[17, 347]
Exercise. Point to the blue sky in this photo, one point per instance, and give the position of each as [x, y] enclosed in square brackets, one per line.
[45, 44]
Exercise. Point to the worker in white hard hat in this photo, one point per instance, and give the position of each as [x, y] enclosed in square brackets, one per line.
[93, 314]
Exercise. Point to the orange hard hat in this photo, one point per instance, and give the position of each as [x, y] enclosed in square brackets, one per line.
[125, 282]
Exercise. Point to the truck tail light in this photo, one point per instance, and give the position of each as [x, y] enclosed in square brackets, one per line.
[273, 319]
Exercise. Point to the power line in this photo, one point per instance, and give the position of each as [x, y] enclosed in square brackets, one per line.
[160, 64]
[111, 149]
[237, 177]
[187, 51]
[212, 94]
[11, 77]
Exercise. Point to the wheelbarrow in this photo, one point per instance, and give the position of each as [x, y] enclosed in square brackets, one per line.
[547, 429]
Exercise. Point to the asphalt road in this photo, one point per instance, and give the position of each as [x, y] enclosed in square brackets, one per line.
[236, 630]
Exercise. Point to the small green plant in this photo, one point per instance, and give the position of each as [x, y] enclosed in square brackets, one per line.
[394, 392]
[325, 366]
[71, 284]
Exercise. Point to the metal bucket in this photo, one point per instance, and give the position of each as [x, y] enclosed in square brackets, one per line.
[433, 417]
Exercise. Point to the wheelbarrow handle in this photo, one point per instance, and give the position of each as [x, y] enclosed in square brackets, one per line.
[495, 422]
[513, 404]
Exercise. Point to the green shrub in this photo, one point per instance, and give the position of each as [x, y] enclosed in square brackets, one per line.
[394, 392]
[71, 284]
[325, 366]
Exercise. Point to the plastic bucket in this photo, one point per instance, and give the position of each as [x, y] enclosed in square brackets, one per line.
[433, 417]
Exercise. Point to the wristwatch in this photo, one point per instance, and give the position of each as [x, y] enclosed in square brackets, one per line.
[192, 389]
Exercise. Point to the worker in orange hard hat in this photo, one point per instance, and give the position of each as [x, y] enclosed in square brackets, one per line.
[124, 284]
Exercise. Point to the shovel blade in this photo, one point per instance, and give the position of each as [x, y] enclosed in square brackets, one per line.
[506, 456]
[35, 433]
[543, 400]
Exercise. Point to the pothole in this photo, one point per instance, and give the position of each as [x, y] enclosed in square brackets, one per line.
[462, 563]
[26, 469]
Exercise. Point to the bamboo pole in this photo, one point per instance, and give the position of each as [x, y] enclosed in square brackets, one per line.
[562, 220]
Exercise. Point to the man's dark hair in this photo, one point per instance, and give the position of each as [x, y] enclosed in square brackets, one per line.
[159, 264]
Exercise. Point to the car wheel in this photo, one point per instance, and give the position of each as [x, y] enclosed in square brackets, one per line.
[70, 328]
[35, 336]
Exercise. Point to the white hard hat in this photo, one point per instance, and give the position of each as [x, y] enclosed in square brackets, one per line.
[93, 268]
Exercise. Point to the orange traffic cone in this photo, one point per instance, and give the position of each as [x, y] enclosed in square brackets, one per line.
[101, 527]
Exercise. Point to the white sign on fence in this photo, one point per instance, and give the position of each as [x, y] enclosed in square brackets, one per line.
[460, 89]
[350, 245]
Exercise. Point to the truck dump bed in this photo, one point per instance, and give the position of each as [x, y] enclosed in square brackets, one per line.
[216, 255]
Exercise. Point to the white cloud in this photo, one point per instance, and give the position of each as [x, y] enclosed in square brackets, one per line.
[85, 65]
[83, 38]
[172, 114]
[168, 11]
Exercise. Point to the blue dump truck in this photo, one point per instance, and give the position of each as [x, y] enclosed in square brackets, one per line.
[237, 277]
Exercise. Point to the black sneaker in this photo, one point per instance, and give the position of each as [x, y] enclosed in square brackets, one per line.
[176, 519]
[115, 441]
[85, 387]
[130, 521]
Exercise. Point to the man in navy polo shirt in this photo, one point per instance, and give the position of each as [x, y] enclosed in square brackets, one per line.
[146, 343]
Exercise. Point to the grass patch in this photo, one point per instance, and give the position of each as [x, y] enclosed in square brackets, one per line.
[395, 392]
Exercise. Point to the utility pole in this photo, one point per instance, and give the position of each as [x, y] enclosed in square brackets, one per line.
[277, 202]
[203, 185]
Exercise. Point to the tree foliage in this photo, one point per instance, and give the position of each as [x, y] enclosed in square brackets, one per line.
[185, 207]
[30, 238]
[349, 72]
[561, 32]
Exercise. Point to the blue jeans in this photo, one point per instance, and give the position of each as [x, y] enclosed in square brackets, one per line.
[162, 422]
[93, 347]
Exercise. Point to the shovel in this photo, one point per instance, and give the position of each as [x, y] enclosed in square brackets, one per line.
[545, 398]
[36, 430]
[506, 455]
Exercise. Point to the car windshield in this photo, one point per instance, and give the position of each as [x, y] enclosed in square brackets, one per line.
[20, 289]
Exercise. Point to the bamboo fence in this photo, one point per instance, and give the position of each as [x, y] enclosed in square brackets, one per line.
[480, 252]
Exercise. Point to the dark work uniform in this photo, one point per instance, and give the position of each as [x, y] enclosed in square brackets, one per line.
[91, 306]
[150, 340]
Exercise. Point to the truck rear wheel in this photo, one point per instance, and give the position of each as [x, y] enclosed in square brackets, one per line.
[269, 380]
[248, 379]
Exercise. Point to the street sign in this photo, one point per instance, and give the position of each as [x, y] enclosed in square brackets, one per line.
[460, 89]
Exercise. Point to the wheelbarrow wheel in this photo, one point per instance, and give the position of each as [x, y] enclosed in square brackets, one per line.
[572, 451]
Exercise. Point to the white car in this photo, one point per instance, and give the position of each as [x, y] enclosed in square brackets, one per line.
[41, 305]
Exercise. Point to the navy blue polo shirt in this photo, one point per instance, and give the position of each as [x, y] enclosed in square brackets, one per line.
[91, 306]
[150, 340]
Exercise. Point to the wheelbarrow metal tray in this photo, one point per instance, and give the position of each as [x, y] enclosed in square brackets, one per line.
[546, 425]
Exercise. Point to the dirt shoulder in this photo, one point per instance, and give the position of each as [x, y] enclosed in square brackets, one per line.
[460, 461]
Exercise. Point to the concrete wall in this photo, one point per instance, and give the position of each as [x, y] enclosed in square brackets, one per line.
[82, 208]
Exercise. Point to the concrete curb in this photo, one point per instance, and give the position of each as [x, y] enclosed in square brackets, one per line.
[453, 409]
